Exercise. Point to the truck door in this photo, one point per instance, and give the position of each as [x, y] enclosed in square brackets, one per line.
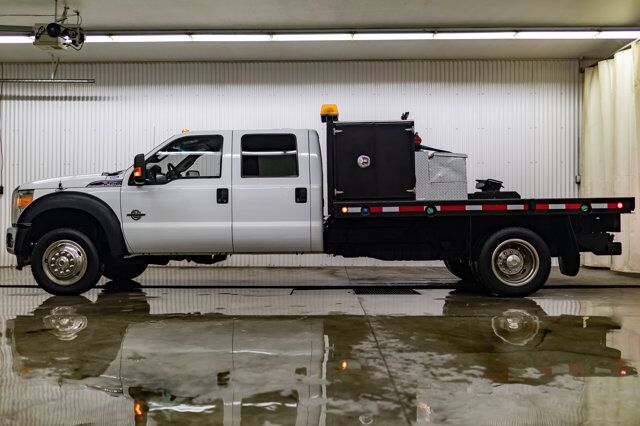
[271, 208]
[185, 206]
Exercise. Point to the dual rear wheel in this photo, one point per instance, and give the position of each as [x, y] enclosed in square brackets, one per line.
[513, 262]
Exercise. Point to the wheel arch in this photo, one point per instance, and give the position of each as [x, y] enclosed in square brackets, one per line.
[63, 208]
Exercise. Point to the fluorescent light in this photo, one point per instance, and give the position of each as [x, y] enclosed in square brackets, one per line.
[393, 36]
[151, 38]
[621, 35]
[493, 35]
[230, 37]
[15, 39]
[556, 35]
[313, 37]
[366, 36]
[99, 39]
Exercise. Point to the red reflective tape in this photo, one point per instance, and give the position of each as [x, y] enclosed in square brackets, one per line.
[453, 208]
[542, 206]
[526, 206]
[616, 205]
[375, 209]
[572, 206]
[411, 208]
[493, 207]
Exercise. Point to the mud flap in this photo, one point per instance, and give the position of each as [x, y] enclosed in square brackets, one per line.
[570, 263]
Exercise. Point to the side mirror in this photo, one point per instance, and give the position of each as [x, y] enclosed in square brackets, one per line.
[139, 170]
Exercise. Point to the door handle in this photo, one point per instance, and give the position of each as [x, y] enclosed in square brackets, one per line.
[301, 195]
[222, 195]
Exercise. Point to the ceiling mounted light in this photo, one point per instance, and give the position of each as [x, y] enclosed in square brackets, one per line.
[489, 35]
[556, 35]
[345, 36]
[15, 39]
[613, 35]
[222, 38]
[393, 36]
[313, 37]
[151, 38]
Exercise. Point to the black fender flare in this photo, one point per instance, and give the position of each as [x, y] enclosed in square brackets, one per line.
[71, 200]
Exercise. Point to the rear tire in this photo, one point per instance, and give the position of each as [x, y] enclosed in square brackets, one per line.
[460, 268]
[123, 270]
[514, 262]
[65, 262]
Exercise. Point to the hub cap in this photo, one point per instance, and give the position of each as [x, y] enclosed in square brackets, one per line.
[64, 262]
[515, 262]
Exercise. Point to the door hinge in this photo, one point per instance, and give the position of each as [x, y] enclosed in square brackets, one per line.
[336, 131]
[336, 192]
[412, 190]
[409, 129]
[578, 179]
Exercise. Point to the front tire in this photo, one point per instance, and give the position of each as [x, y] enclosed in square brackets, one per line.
[65, 262]
[514, 262]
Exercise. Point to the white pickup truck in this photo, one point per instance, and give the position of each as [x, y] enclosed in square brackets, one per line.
[201, 196]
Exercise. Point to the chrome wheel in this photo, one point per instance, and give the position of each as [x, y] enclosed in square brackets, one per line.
[515, 262]
[64, 262]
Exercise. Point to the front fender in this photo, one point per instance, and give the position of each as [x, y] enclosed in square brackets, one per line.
[70, 200]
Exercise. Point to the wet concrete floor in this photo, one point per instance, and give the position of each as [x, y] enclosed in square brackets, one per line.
[325, 347]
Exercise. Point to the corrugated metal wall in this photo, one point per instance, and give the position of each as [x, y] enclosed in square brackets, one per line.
[517, 120]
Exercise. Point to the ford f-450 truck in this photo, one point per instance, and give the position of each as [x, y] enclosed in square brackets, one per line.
[201, 196]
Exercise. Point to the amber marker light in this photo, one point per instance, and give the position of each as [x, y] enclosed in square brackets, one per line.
[137, 172]
[24, 200]
[344, 364]
[345, 210]
[137, 408]
[329, 109]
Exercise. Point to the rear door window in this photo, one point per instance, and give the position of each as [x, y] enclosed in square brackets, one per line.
[269, 155]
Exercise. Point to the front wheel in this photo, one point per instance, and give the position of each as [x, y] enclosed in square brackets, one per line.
[65, 262]
[514, 262]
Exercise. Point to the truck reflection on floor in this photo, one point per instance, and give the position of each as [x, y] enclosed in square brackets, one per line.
[301, 370]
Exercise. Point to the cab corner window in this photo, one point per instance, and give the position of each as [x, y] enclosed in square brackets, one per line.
[186, 158]
[269, 155]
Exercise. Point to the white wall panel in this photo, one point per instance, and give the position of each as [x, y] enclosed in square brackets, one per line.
[517, 120]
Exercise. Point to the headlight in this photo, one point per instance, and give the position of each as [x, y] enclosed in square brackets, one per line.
[21, 199]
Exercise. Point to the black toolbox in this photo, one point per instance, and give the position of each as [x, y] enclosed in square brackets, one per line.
[372, 160]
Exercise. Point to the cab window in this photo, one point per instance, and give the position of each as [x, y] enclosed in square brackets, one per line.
[190, 157]
[269, 155]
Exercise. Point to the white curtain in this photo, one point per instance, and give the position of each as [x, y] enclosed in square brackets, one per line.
[610, 146]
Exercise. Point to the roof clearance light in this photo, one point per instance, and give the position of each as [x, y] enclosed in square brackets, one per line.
[185, 130]
[329, 109]
[620, 205]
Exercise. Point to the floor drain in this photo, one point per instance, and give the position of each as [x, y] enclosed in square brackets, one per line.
[384, 290]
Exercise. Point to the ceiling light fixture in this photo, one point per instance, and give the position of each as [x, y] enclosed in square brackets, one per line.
[15, 39]
[356, 36]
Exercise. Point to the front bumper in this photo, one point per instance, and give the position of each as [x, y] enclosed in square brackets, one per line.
[10, 239]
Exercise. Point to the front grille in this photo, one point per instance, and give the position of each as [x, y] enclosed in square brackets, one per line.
[384, 290]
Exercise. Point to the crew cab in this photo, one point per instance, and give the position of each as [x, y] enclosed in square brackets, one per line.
[202, 196]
